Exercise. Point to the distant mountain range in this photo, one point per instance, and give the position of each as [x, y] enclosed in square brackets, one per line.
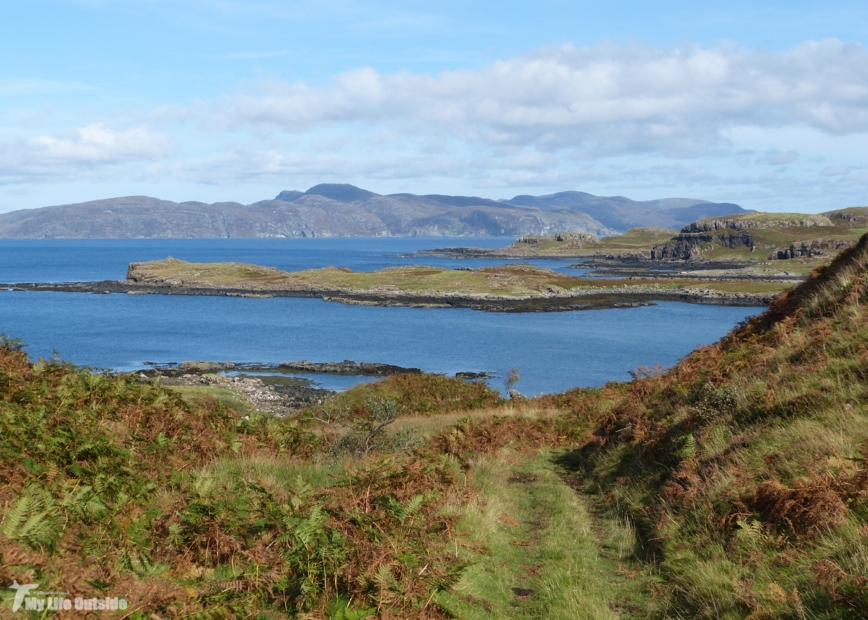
[340, 210]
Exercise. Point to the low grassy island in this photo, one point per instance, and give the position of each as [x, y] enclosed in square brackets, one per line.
[515, 287]
[508, 288]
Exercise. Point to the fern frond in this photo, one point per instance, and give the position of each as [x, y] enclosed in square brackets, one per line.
[402, 512]
[33, 519]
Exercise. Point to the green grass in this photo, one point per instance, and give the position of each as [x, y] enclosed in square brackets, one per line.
[762, 216]
[537, 534]
[231, 399]
[744, 287]
[745, 467]
[733, 485]
[518, 281]
[636, 239]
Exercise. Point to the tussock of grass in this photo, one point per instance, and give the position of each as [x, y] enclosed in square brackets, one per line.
[203, 394]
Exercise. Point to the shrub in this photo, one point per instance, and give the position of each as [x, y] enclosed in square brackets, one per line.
[420, 394]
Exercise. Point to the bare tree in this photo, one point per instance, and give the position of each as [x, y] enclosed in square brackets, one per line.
[348, 432]
[512, 377]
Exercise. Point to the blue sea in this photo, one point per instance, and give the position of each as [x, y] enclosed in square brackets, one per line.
[553, 351]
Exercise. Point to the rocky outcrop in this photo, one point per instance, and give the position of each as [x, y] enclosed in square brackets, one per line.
[805, 249]
[347, 367]
[573, 240]
[205, 367]
[280, 401]
[713, 225]
[688, 246]
[856, 217]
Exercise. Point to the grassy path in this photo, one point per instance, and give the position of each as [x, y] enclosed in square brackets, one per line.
[549, 558]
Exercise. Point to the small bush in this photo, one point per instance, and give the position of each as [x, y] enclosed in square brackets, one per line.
[420, 394]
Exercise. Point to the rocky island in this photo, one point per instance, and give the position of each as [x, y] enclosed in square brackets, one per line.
[743, 245]
[508, 288]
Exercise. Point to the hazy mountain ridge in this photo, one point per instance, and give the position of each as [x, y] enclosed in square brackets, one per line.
[623, 213]
[340, 210]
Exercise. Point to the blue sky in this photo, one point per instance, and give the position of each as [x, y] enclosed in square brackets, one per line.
[760, 103]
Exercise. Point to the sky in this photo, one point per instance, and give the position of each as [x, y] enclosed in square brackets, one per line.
[760, 103]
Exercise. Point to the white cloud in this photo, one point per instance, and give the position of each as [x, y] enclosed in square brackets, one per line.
[78, 152]
[778, 158]
[607, 99]
[772, 129]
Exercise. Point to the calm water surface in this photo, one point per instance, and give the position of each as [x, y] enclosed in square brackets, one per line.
[553, 351]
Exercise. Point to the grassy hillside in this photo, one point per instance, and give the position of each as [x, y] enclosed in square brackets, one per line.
[109, 487]
[745, 467]
[566, 244]
[734, 485]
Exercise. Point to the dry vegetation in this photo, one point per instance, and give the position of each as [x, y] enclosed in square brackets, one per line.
[519, 281]
[734, 485]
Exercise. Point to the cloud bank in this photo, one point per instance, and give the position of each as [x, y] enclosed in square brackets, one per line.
[728, 121]
[78, 152]
[613, 99]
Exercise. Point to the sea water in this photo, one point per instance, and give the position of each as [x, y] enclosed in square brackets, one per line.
[553, 351]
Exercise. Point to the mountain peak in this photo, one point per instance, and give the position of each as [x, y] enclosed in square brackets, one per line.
[342, 192]
[289, 195]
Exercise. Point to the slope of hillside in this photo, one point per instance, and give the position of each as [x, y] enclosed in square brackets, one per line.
[734, 485]
[742, 471]
[112, 488]
[763, 236]
[745, 467]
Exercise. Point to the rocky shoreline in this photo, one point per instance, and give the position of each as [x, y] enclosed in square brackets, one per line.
[494, 254]
[278, 400]
[553, 300]
[272, 393]
[709, 271]
[346, 367]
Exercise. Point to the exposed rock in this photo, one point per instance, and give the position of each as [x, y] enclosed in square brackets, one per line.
[805, 249]
[576, 240]
[347, 367]
[712, 225]
[473, 375]
[853, 216]
[203, 367]
[279, 401]
[687, 246]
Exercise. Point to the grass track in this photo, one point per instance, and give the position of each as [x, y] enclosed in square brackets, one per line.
[549, 557]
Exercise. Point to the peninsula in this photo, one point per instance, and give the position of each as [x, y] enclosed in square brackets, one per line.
[747, 245]
[509, 288]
